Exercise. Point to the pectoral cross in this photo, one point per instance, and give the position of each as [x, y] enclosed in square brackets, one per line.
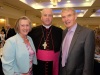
[44, 45]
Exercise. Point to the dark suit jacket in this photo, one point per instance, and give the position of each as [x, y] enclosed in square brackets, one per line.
[81, 53]
[11, 32]
[36, 34]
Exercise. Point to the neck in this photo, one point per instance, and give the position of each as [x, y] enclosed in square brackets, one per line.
[24, 37]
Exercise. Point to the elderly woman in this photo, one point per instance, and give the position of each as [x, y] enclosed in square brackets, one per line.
[19, 52]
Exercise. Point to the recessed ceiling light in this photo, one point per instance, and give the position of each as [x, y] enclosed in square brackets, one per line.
[68, 1]
[87, 0]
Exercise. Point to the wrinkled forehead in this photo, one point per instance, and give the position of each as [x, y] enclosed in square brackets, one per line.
[47, 11]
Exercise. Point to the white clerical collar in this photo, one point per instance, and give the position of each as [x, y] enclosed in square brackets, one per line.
[47, 27]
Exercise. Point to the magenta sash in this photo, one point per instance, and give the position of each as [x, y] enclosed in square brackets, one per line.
[49, 55]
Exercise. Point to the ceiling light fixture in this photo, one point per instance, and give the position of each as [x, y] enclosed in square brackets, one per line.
[68, 1]
[54, 2]
[87, 0]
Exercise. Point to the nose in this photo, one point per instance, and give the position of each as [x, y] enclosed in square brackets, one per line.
[25, 27]
[66, 18]
[47, 16]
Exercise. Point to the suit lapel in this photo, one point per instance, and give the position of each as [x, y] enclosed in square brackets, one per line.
[74, 39]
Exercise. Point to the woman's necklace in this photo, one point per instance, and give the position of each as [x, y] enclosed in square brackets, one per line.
[45, 43]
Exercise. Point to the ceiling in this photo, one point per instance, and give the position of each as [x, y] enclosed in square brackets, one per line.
[88, 11]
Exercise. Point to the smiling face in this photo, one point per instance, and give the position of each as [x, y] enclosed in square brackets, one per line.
[47, 16]
[24, 27]
[69, 17]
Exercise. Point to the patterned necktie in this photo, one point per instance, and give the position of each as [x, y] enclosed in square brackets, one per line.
[65, 47]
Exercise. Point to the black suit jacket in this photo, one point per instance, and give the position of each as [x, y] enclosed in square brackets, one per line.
[36, 35]
[11, 32]
[81, 53]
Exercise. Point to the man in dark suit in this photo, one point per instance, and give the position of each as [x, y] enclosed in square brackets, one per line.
[78, 46]
[3, 29]
[9, 32]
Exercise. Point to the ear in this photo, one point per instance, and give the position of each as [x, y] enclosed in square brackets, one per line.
[41, 18]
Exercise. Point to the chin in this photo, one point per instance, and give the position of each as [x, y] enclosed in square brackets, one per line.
[25, 34]
[47, 24]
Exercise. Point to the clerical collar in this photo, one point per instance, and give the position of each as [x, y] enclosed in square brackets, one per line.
[47, 27]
